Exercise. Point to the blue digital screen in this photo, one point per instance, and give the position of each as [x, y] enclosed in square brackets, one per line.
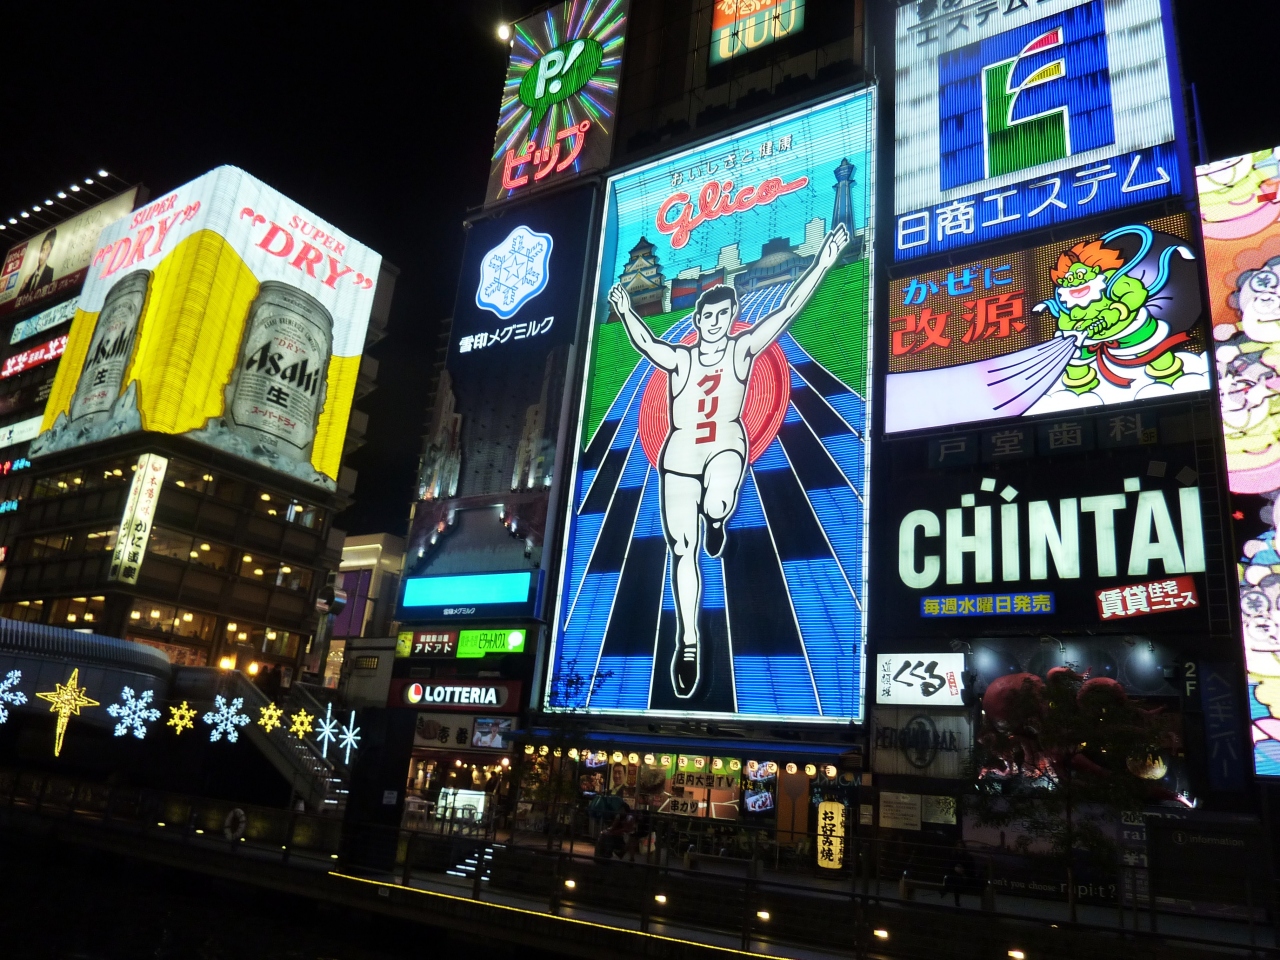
[470, 590]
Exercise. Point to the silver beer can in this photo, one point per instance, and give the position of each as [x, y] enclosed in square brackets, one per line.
[277, 392]
[102, 376]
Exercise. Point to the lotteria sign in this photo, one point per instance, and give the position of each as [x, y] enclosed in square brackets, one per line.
[1023, 545]
[492, 695]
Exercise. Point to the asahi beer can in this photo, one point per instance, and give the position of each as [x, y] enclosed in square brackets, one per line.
[102, 377]
[278, 388]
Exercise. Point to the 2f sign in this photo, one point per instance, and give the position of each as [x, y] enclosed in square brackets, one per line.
[557, 75]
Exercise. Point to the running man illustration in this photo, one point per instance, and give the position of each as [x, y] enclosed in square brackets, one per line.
[704, 457]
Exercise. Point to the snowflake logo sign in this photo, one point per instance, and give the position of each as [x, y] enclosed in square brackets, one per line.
[225, 718]
[514, 272]
[10, 694]
[326, 730]
[134, 712]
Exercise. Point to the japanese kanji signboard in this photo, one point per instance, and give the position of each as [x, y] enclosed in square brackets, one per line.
[1143, 599]
[135, 522]
[920, 679]
[832, 815]
[1097, 320]
[1014, 115]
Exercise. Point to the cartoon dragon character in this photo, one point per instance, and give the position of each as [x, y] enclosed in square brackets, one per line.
[1106, 297]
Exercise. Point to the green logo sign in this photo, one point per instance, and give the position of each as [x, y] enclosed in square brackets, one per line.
[477, 643]
[557, 75]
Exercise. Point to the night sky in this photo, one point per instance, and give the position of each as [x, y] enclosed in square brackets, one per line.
[380, 118]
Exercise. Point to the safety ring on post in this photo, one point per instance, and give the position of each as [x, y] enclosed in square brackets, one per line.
[234, 826]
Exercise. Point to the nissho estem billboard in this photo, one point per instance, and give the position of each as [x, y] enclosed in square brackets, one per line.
[1240, 221]
[225, 312]
[714, 553]
[1016, 115]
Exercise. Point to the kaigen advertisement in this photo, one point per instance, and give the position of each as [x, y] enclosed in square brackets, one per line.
[224, 312]
[714, 550]
[1081, 324]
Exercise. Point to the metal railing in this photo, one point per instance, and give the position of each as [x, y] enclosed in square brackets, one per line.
[869, 906]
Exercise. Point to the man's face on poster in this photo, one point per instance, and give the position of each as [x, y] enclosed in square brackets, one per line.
[46, 248]
[714, 319]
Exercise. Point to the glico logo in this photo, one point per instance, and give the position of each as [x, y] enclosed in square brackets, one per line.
[1032, 95]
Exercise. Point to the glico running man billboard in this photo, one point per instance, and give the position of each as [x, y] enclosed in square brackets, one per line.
[1240, 220]
[225, 312]
[1015, 115]
[559, 100]
[714, 554]
[1087, 322]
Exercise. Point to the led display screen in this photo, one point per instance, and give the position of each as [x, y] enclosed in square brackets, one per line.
[713, 560]
[1088, 322]
[513, 593]
[223, 312]
[55, 261]
[740, 26]
[1108, 538]
[559, 100]
[1014, 116]
[1240, 222]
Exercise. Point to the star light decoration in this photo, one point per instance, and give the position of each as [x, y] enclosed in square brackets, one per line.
[65, 700]
[326, 730]
[269, 717]
[350, 738]
[181, 718]
[10, 694]
[300, 724]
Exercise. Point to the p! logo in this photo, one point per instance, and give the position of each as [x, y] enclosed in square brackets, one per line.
[1032, 95]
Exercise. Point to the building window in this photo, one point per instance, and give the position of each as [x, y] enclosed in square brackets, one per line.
[172, 620]
[276, 643]
[78, 481]
[275, 572]
[178, 654]
[77, 612]
[28, 611]
[291, 511]
[99, 541]
[39, 548]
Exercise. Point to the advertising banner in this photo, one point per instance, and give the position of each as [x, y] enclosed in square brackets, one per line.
[492, 696]
[714, 552]
[560, 97]
[44, 320]
[36, 356]
[1240, 221]
[54, 261]
[921, 743]
[445, 730]
[1093, 321]
[135, 522]
[1031, 544]
[740, 26]
[223, 312]
[920, 679]
[1015, 116]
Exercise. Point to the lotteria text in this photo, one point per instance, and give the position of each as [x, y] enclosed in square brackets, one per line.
[481, 696]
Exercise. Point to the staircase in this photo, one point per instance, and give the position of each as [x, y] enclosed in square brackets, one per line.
[479, 859]
[313, 778]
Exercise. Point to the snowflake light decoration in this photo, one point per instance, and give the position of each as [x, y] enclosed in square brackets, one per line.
[225, 718]
[269, 717]
[10, 694]
[181, 717]
[134, 712]
[350, 738]
[326, 730]
[300, 724]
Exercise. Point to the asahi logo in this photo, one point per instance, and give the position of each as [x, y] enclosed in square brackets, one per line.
[111, 348]
[267, 361]
[1120, 532]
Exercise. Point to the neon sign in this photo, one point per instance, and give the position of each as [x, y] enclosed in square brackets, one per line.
[33, 358]
[558, 103]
